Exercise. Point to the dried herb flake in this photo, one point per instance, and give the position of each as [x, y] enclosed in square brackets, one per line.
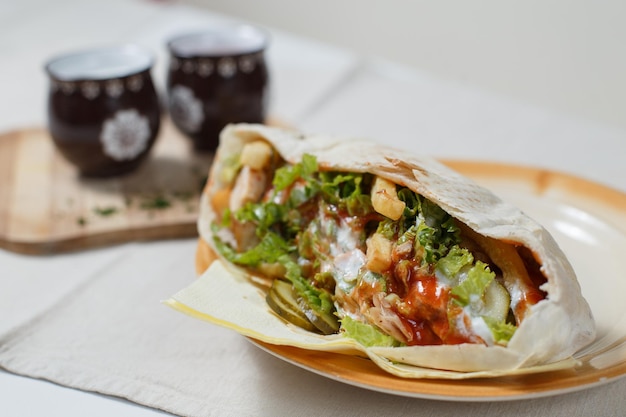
[105, 211]
[156, 203]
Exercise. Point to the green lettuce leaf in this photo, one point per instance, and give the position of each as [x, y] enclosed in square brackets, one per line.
[271, 248]
[316, 298]
[366, 334]
[264, 215]
[502, 332]
[455, 260]
[287, 175]
[471, 290]
[388, 228]
[230, 168]
[436, 230]
[346, 192]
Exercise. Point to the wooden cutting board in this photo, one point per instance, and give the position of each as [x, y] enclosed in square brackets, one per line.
[46, 207]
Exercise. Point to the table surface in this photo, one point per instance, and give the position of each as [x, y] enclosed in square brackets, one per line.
[317, 88]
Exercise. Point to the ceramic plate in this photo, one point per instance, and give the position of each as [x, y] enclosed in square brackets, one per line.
[588, 220]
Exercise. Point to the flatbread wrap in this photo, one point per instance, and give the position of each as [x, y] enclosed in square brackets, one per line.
[347, 246]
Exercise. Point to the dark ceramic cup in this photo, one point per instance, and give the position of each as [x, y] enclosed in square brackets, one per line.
[103, 109]
[217, 77]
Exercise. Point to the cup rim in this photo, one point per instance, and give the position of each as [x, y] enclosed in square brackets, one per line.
[92, 67]
[219, 33]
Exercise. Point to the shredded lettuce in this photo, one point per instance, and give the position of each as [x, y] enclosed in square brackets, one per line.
[316, 298]
[474, 291]
[432, 228]
[269, 250]
[343, 190]
[264, 215]
[437, 240]
[471, 290]
[423, 221]
[434, 242]
[502, 332]
[388, 228]
[366, 334]
[226, 218]
[288, 174]
[411, 201]
[230, 168]
[346, 192]
[455, 260]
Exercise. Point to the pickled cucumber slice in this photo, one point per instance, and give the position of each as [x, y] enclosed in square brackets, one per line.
[325, 321]
[282, 300]
[497, 302]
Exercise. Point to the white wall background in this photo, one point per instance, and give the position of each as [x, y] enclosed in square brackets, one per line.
[560, 54]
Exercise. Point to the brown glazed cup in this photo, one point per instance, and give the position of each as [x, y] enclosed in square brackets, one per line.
[217, 77]
[103, 109]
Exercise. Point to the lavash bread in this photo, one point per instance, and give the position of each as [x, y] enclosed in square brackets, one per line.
[554, 329]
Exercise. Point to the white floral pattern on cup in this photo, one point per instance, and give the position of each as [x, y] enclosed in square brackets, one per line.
[226, 67]
[135, 83]
[114, 88]
[247, 63]
[205, 67]
[188, 66]
[90, 90]
[67, 87]
[186, 109]
[125, 135]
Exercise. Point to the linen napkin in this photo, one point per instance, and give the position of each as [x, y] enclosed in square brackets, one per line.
[111, 335]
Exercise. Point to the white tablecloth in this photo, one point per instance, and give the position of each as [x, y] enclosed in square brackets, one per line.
[93, 320]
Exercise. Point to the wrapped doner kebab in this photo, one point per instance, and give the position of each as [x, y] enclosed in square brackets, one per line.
[348, 246]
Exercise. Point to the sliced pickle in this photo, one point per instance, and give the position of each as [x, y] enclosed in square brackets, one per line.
[281, 299]
[497, 301]
[326, 322]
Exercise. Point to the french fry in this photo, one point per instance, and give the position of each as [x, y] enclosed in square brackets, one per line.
[385, 199]
[378, 253]
[256, 154]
